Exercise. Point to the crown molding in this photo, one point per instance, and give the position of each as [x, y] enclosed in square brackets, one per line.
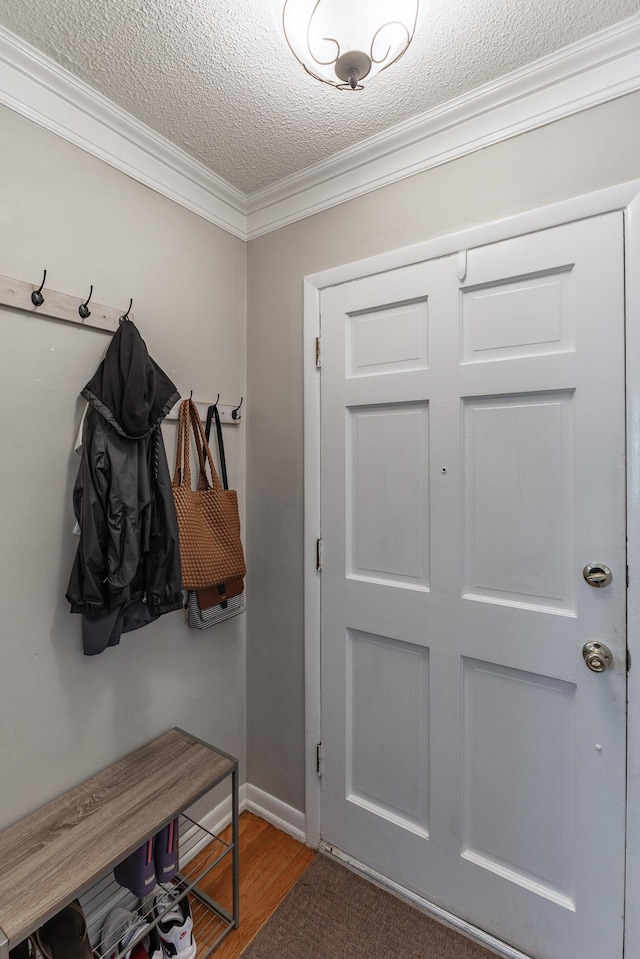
[38, 88]
[582, 75]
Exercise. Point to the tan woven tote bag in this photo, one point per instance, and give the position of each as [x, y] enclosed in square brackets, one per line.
[208, 520]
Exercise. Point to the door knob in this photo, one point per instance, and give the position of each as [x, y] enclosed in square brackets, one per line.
[597, 656]
[597, 574]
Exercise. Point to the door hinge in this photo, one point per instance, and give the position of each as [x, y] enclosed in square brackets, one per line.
[628, 660]
[318, 553]
[318, 356]
[319, 759]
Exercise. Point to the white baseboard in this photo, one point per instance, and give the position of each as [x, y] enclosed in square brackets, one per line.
[220, 816]
[276, 812]
[267, 807]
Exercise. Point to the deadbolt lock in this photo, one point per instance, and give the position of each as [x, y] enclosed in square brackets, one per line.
[597, 656]
[597, 575]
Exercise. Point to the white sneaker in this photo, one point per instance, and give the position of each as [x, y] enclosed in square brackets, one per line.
[125, 932]
[176, 925]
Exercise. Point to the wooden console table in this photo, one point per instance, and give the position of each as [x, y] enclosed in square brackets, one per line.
[60, 851]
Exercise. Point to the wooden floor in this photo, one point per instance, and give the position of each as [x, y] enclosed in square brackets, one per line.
[271, 862]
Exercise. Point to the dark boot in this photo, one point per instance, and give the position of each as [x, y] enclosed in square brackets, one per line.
[65, 936]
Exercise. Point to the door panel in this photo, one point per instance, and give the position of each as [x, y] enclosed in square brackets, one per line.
[517, 500]
[526, 836]
[512, 319]
[388, 476]
[387, 688]
[472, 446]
[385, 341]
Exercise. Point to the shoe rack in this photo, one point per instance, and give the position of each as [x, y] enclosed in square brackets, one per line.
[201, 852]
[68, 848]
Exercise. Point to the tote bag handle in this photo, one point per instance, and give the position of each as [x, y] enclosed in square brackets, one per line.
[189, 421]
[211, 412]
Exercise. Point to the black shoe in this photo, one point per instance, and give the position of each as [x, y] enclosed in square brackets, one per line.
[65, 936]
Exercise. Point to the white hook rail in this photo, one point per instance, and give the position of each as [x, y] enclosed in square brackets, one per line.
[16, 294]
[224, 409]
[58, 306]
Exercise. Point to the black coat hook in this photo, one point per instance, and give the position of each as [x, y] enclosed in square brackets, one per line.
[83, 309]
[36, 297]
[234, 413]
[125, 316]
[217, 400]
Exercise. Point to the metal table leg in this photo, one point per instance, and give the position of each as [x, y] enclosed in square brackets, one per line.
[235, 838]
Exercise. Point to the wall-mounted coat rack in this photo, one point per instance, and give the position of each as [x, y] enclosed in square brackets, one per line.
[226, 412]
[50, 304]
[41, 301]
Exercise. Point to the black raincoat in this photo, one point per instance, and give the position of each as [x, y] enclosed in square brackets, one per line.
[128, 552]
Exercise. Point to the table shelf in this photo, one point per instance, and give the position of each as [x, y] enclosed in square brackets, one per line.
[68, 848]
[200, 852]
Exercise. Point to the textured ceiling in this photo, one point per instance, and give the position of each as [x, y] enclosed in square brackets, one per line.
[214, 77]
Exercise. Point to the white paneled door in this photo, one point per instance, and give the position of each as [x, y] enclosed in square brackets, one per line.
[472, 449]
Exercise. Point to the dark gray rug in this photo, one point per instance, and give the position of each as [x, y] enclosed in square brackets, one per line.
[333, 914]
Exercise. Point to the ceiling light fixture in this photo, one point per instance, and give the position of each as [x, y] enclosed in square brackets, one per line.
[342, 42]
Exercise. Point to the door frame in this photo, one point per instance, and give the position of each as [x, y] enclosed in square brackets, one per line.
[626, 198]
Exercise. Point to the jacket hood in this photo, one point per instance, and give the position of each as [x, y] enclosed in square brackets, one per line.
[129, 389]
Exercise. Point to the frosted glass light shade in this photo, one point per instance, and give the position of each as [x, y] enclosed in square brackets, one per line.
[342, 42]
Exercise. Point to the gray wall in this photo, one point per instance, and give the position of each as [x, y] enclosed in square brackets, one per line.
[64, 716]
[578, 155]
